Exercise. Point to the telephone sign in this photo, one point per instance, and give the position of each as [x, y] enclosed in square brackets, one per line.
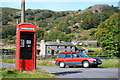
[26, 46]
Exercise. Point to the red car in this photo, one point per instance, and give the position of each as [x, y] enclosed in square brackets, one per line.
[72, 59]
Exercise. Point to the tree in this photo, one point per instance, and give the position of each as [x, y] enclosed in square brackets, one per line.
[47, 15]
[40, 34]
[41, 23]
[108, 35]
[8, 30]
[4, 22]
[64, 28]
[29, 17]
[54, 35]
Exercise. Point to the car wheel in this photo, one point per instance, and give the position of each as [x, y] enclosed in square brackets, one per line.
[86, 64]
[62, 65]
[71, 66]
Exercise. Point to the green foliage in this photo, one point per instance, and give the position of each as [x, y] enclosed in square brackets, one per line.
[8, 31]
[4, 22]
[84, 38]
[92, 20]
[54, 35]
[39, 17]
[41, 23]
[92, 44]
[40, 34]
[63, 21]
[8, 14]
[107, 35]
[64, 28]
[71, 37]
[29, 17]
[47, 15]
[92, 33]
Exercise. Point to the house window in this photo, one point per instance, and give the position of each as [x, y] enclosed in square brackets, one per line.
[57, 51]
[71, 47]
[48, 52]
[49, 47]
[58, 46]
[65, 50]
[65, 47]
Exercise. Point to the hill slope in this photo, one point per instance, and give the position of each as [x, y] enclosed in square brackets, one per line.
[71, 25]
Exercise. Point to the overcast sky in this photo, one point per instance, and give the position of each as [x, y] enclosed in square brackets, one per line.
[56, 5]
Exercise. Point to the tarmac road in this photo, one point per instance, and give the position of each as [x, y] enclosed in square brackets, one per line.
[76, 72]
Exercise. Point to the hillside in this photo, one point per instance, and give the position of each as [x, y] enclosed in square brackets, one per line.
[70, 25]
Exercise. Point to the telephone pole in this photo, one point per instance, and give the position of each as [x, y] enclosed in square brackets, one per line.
[23, 11]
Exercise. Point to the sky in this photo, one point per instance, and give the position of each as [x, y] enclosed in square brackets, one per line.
[57, 5]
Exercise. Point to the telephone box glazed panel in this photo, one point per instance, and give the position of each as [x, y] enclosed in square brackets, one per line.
[25, 46]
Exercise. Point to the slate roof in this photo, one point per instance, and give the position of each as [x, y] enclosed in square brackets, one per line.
[80, 41]
[79, 48]
[59, 43]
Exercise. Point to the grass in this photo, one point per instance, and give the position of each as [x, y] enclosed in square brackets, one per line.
[113, 63]
[96, 50]
[12, 61]
[106, 62]
[45, 63]
[39, 62]
[12, 73]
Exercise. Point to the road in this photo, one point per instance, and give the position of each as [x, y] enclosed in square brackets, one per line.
[77, 72]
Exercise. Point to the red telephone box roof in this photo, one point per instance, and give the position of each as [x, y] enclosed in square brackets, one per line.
[26, 27]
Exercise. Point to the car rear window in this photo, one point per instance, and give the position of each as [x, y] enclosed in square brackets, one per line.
[61, 56]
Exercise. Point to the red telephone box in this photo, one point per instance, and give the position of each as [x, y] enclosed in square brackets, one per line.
[26, 46]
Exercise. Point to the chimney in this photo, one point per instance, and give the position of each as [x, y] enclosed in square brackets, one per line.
[42, 41]
[23, 11]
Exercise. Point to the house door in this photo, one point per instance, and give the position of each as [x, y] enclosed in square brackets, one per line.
[52, 52]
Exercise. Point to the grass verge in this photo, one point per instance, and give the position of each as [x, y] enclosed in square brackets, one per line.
[39, 62]
[12, 61]
[46, 63]
[12, 73]
[113, 63]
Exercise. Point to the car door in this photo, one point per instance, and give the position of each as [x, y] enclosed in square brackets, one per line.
[76, 59]
[68, 59]
[61, 57]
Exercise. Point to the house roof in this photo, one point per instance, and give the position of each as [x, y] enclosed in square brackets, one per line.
[80, 48]
[81, 41]
[59, 43]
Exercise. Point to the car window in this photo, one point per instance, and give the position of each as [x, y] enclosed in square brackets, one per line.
[67, 55]
[75, 55]
[61, 56]
[82, 54]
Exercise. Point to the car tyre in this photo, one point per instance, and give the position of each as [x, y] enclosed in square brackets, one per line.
[86, 64]
[62, 65]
